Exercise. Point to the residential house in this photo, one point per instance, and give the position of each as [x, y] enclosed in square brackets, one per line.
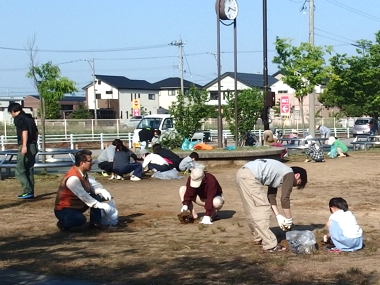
[68, 104]
[118, 93]
[227, 84]
[170, 88]
[4, 103]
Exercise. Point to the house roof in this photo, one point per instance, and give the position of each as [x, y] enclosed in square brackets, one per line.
[175, 83]
[122, 82]
[249, 79]
[66, 98]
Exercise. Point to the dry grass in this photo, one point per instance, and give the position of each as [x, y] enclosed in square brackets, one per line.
[151, 247]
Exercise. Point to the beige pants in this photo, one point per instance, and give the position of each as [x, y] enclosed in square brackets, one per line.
[218, 202]
[256, 207]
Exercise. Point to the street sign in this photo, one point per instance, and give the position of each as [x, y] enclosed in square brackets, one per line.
[284, 106]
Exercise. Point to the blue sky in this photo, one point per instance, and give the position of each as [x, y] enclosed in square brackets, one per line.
[132, 38]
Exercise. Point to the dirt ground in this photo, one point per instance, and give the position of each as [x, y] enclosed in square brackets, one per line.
[151, 247]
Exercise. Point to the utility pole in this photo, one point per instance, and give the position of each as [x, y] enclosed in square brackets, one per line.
[312, 95]
[265, 111]
[93, 84]
[180, 45]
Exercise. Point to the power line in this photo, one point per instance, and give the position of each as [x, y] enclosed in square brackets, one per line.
[95, 50]
[334, 35]
[355, 11]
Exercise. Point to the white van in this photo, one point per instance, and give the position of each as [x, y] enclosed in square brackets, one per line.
[162, 122]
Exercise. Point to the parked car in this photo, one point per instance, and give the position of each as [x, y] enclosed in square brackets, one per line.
[362, 126]
[133, 121]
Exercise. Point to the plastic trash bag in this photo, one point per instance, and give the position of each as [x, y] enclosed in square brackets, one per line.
[192, 144]
[232, 147]
[333, 152]
[110, 218]
[169, 174]
[185, 144]
[301, 241]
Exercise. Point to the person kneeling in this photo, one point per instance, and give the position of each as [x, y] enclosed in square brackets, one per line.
[203, 189]
[76, 194]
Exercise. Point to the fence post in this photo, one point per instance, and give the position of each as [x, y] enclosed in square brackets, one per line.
[65, 124]
[348, 132]
[2, 143]
[5, 128]
[71, 141]
[101, 141]
[92, 128]
[130, 138]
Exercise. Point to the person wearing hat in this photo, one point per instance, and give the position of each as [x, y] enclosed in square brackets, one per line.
[269, 140]
[258, 181]
[203, 189]
[324, 131]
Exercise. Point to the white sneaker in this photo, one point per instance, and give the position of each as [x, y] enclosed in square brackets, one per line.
[135, 178]
[112, 177]
[119, 177]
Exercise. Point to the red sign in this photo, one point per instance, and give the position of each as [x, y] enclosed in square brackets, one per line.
[284, 106]
[136, 107]
[136, 112]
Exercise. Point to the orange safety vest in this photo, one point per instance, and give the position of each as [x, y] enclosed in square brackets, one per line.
[66, 198]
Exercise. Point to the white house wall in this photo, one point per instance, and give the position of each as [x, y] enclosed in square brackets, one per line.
[226, 84]
[127, 96]
[165, 99]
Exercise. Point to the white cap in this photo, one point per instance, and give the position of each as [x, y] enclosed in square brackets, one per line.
[197, 175]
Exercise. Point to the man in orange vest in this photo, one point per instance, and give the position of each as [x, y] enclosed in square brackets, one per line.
[76, 194]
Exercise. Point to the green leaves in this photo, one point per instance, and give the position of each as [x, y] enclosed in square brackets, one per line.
[190, 110]
[354, 82]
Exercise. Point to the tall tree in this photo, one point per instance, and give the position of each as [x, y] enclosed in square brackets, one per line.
[303, 67]
[249, 106]
[354, 82]
[190, 110]
[48, 82]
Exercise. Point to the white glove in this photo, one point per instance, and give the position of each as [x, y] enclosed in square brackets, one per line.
[184, 208]
[281, 221]
[104, 206]
[288, 223]
[325, 238]
[104, 193]
[206, 220]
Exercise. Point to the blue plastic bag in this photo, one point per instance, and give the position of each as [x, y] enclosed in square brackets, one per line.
[192, 144]
[185, 144]
[333, 152]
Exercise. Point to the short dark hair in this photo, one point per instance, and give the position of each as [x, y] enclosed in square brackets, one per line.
[81, 156]
[194, 155]
[339, 202]
[116, 142]
[156, 148]
[14, 107]
[303, 175]
[158, 132]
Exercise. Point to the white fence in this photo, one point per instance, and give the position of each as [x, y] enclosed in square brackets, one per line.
[121, 127]
[7, 142]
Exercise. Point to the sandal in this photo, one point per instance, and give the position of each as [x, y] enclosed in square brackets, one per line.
[277, 248]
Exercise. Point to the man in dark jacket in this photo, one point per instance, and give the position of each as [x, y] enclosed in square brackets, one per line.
[173, 159]
[27, 136]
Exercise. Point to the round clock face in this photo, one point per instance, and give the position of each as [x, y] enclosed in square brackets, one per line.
[230, 9]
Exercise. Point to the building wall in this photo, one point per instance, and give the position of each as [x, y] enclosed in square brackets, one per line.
[127, 98]
[166, 98]
[227, 85]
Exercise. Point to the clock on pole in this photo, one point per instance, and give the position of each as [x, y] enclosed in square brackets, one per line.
[228, 9]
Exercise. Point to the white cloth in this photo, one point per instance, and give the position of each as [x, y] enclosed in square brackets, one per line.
[347, 222]
[74, 184]
[155, 159]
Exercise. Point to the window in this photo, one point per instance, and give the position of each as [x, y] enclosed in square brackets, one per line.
[168, 124]
[172, 92]
[282, 91]
[98, 96]
[99, 82]
[131, 97]
[139, 95]
[108, 92]
[214, 95]
[152, 96]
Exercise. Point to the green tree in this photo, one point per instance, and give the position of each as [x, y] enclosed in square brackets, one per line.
[52, 109]
[49, 84]
[303, 67]
[190, 110]
[82, 113]
[354, 81]
[249, 105]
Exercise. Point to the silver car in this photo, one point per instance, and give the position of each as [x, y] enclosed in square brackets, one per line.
[362, 126]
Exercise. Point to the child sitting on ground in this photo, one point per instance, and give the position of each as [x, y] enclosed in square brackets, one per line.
[190, 162]
[154, 162]
[344, 231]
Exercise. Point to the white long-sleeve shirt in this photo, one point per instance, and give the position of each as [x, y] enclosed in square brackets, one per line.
[74, 184]
[155, 159]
